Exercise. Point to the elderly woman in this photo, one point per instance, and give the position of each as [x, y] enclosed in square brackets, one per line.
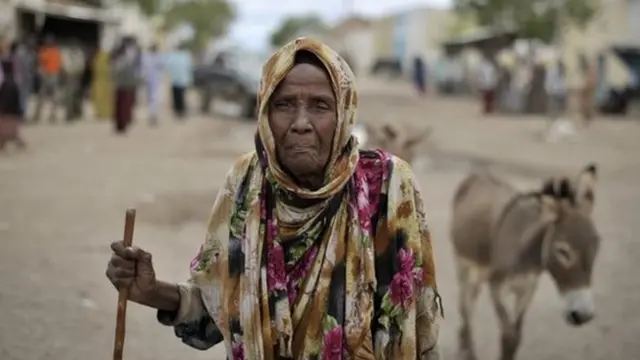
[315, 249]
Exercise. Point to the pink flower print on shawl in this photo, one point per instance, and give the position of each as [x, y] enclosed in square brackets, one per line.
[276, 275]
[196, 260]
[408, 276]
[362, 204]
[401, 291]
[298, 272]
[333, 344]
[407, 266]
[237, 348]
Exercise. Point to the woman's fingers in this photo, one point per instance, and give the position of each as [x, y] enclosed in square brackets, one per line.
[129, 253]
[121, 271]
[120, 262]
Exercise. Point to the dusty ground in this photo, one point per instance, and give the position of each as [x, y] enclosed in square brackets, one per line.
[63, 202]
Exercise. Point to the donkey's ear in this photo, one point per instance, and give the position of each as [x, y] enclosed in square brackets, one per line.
[549, 188]
[566, 191]
[416, 138]
[550, 209]
[585, 188]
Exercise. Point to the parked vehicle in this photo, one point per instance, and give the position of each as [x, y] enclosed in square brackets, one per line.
[619, 100]
[390, 67]
[228, 82]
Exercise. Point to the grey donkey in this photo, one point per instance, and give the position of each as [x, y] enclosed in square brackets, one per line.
[509, 238]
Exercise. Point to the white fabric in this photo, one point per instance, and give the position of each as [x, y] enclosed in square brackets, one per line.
[488, 76]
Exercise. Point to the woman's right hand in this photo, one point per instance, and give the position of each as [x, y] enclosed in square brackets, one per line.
[131, 268]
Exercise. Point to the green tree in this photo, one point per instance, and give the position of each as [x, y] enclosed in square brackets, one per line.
[208, 18]
[540, 19]
[297, 25]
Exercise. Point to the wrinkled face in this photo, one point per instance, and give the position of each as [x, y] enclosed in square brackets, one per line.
[572, 252]
[303, 120]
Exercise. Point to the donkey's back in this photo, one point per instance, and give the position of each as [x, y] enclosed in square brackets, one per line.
[477, 205]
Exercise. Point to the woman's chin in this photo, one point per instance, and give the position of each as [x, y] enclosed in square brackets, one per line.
[303, 164]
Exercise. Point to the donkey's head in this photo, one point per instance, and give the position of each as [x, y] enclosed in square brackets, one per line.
[570, 241]
[400, 142]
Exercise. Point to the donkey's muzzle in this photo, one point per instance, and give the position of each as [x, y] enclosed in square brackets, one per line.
[580, 307]
[577, 318]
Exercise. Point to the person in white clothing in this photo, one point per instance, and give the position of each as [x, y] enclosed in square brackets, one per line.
[556, 89]
[153, 67]
[488, 81]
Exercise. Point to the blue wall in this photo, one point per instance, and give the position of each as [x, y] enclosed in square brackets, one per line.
[400, 35]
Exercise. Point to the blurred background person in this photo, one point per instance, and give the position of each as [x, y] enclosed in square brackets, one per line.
[180, 67]
[86, 78]
[488, 81]
[556, 88]
[49, 70]
[73, 63]
[153, 66]
[419, 75]
[102, 85]
[588, 91]
[125, 81]
[10, 105]
[206, 90]
[26, 57]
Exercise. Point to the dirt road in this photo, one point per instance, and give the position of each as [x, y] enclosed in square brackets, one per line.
[63, 202]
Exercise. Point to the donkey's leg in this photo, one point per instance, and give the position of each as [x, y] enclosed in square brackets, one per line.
[511, 316]
[470, 278]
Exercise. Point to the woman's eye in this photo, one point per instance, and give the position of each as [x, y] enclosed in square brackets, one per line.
[322, 105]
[282, 104]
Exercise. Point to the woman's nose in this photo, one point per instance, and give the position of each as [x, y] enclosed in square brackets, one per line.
[302, 123]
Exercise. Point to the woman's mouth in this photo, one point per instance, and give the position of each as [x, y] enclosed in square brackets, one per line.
[299, 148]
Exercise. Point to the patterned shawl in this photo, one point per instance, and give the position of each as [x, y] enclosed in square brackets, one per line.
[342, 272]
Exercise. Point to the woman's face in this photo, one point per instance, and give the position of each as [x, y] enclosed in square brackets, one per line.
[303, 119]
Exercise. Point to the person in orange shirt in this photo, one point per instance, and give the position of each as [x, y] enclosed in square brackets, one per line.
[49, 66]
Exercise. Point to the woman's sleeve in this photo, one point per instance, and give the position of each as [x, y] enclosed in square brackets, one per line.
[193, 322]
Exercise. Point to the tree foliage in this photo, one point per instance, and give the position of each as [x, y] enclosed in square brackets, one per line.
[295, 26]
[208, 19]
[540, 19]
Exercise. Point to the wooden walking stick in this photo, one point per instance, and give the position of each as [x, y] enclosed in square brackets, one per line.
[123, 295]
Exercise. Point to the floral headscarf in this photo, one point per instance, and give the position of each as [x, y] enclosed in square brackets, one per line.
[343, 272]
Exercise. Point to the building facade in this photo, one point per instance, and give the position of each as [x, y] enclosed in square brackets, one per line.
[416, 32]
[617, 24]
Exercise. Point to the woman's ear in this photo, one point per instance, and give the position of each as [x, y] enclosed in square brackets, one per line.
[585, 189]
